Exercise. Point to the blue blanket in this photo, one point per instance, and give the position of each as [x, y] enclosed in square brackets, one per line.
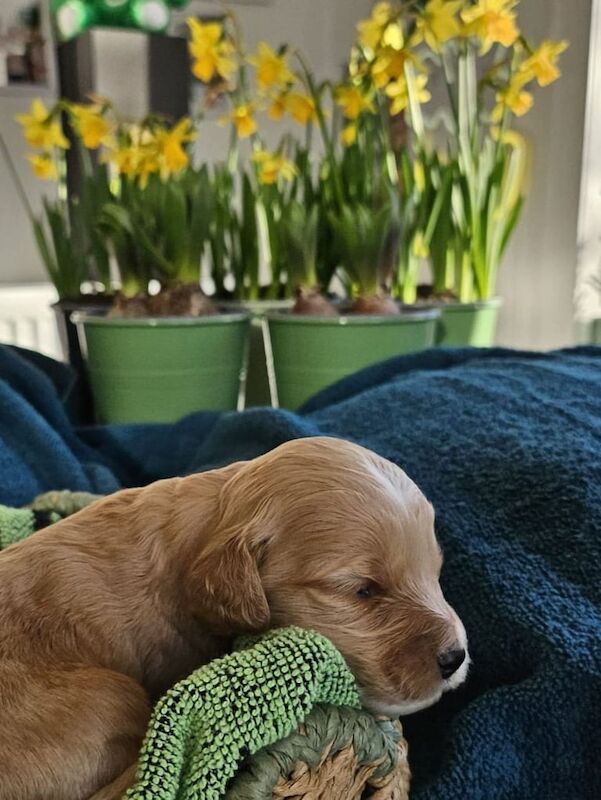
[508, 447]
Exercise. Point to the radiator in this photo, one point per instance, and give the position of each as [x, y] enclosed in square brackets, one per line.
[26, 318]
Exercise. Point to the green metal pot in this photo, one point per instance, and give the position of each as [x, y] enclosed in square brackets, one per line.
[468, 324]
[588, 332]
[305, 353]
[159, 370]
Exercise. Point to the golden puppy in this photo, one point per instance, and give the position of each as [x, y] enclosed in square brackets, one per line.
[102, 612]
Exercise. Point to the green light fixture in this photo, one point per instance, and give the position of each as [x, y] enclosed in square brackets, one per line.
[73, 17]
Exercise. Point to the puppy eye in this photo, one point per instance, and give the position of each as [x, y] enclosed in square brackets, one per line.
[367, 590]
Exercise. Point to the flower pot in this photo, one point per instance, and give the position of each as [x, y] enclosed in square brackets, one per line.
[257, 391]
[81, 404]
[159, 370]
[468, 324]
[67, 330]
[589, 332]
[305, 353]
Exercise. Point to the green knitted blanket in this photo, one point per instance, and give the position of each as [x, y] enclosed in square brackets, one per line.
[206, 725]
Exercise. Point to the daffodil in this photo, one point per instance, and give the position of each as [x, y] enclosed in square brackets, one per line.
[137, 154]
[170, 147]
[272, 166]
[348, 135]
[125, 159]
[211, 52]
[277, 108]
[272, 70]
[513, 97]
[41, 128]
[542, 64]
[389, 65]
[492, 21]
[44, 166]
[148, 164]
[398, 92]
[300, 107]
[353, 101]
[438, 23]
[91, 125]
[371, 30]
[393, 36]
[243, 119]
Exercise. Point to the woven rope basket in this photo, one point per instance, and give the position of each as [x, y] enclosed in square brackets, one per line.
[338, 754]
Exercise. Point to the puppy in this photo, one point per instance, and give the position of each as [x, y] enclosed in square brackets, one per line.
[104, 611]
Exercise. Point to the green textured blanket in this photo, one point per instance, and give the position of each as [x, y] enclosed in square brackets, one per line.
[206, 725]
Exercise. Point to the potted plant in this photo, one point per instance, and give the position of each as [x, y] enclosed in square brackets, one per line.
[158, 356]
[464, 180]
[76, 260]
[144, 211]
[319, 342]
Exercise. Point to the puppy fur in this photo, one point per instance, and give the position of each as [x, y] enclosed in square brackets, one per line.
[104, 611]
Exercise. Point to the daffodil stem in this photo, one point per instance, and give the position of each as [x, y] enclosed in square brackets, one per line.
[327, 139]
[391, 165]
[16, 179]
[448, 82]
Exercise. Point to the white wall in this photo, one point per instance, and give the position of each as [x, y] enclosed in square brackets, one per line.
[537, 277]
[588, 282]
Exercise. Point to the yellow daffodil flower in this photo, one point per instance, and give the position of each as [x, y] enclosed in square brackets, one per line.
[542, 64]
[244, 120]
[398, 93]
[491, 21]
[514, 98]
[370, 30]
[272, 69]
[438, 23]
[148, 164]
[353, 101]
[125, 159]
[300, 107]
[43, 166]
[91, 125]
[137, 155]
[393, 36]
[41, 128]
[272, 166]
[389, 65]
[170, 147]
[211, 52]
[348, 135]
[277, 109]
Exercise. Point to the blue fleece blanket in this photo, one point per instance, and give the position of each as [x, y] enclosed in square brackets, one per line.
[508, 447]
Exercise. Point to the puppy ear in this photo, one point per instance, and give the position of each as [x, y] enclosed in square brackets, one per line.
[227, 586]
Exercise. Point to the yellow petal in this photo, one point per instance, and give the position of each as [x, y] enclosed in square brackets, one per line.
[44, 167]
[348, 135]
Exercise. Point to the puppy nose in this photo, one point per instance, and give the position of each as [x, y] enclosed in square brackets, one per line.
[450, 661]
